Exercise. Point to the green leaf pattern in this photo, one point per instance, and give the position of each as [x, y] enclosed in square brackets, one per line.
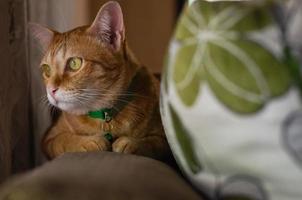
[213, 46]
[183, 137]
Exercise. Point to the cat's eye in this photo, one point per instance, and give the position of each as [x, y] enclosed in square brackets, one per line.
[46, 70]
[74, 64]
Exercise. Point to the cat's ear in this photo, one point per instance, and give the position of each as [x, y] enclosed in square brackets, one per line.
[109, 25]
[43, 35]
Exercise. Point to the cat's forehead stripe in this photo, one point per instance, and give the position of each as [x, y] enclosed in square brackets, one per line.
[59, 44]
[57, 52]
[59, 60]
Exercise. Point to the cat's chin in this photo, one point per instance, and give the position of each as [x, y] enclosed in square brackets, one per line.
[72, 109]
[76, 110]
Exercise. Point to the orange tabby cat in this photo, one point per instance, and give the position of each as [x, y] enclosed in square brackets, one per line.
[109, 101]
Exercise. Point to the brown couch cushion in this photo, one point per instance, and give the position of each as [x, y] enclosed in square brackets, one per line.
[101, 175]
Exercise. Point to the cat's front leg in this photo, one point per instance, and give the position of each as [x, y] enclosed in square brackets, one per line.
[125, 144]
[66, 142]
[151, 146]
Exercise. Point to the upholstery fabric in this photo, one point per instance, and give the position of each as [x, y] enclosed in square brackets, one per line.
[101, 175]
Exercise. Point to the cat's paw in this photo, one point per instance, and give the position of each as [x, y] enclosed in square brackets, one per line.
[125, 145]
[80, 144]
[54, 150]
[94, 143]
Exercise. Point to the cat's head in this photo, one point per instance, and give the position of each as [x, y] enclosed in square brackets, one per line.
[86, 68]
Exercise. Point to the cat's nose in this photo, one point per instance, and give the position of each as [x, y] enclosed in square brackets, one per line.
[53, 91]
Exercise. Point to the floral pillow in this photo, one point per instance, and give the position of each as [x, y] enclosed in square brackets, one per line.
[230, 100]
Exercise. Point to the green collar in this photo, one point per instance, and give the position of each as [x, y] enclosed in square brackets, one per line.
[104, 114]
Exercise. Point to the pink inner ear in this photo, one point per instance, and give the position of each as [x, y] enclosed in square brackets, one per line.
[109, 25]
[42, 34]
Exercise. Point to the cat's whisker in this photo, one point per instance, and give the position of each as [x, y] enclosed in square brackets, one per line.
[80, 102]
[88, 97]
[84, 101]
[129, 103]
[116, 95]
[44, 101]
[41, 98]
[106, 92]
